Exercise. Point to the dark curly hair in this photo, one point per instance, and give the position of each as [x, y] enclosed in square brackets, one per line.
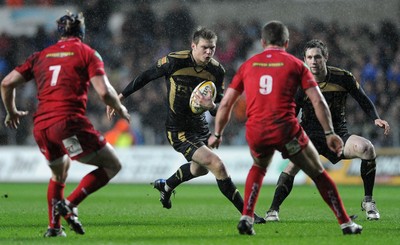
[71, 25]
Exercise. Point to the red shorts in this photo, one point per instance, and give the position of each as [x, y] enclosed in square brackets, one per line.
[74, 136]
[287, 144]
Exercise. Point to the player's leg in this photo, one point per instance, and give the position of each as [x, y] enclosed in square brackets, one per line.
[283, 188]
[308, 161]
[88, 146]
[211, 161]
[253, 186]
[192, 170]
[184, 173]
[108, 166]
[204, 160]
[359, 147]
[55, 193]
[186, 143]
[59, 164]
[201, 159]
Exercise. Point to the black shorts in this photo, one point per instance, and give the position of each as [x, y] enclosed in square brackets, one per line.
[319, 141]
[187, 142]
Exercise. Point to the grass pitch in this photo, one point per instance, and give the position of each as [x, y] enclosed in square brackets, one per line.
[132, 214]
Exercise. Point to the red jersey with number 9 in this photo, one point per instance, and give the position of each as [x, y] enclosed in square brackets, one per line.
[62, 74]
[270, 80]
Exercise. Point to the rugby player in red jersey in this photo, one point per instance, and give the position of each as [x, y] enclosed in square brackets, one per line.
[269, 81]
[63, 73]
[336, 85]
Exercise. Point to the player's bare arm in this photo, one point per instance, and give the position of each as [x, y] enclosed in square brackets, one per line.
[223, 116]
[8, 85]
[108, 94]
[110, 111]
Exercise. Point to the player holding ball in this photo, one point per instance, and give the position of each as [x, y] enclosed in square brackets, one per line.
[186, 126]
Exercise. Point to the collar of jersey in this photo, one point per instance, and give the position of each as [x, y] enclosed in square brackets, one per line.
[276, 48]
[70, 39]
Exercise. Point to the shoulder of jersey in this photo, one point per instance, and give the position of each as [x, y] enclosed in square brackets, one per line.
[339, 71]
[217, 64]
[180, 54]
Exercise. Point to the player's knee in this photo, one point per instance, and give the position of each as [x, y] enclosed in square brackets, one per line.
[201, 172]
[60, 178]
[117, 167]
[291, 169]
[59, 169]
[113, 168]
[367, 150]
[219, 169]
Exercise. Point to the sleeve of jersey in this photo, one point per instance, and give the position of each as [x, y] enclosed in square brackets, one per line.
[299, 100]
[96, 65]
[237, 81]
[26, 69]
[220, 86]
[307, 79]
[143, 79]
[365, 102]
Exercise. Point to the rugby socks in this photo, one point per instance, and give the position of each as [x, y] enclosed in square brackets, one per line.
[254, 182]
[182, 174]
[368, 171]
[228, 188]
[330, 194]
[283, 188]
[55, 193]
[89, 184]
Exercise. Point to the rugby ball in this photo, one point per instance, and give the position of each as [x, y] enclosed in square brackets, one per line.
[203, 88]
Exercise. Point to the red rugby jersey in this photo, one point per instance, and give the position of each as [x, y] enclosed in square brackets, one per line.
[270, 80]
[62, 74]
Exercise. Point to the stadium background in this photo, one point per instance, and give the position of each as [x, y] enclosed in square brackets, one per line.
[362, 35]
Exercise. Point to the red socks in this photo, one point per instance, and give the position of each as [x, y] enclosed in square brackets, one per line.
[254, 182]
[89, 184]
[55, 193]
[327, 189]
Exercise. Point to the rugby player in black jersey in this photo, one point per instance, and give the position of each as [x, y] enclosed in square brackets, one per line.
[187, 132]
[335, 84]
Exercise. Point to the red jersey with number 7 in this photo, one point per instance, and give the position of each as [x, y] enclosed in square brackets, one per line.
[62, 74]
[270, 80]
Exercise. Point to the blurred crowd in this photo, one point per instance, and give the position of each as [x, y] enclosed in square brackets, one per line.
[132, 39]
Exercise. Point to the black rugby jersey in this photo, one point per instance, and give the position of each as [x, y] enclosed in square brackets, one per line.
[337, 85]
[182, 75]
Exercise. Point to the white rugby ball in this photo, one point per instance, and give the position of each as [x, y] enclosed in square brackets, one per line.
[204, 87]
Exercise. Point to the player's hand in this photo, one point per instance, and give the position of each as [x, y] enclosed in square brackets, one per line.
[214, 142]
[123, 113]
[383, 124]
[110, 112]
[12, 119]
[205, 101]
[335, 144]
